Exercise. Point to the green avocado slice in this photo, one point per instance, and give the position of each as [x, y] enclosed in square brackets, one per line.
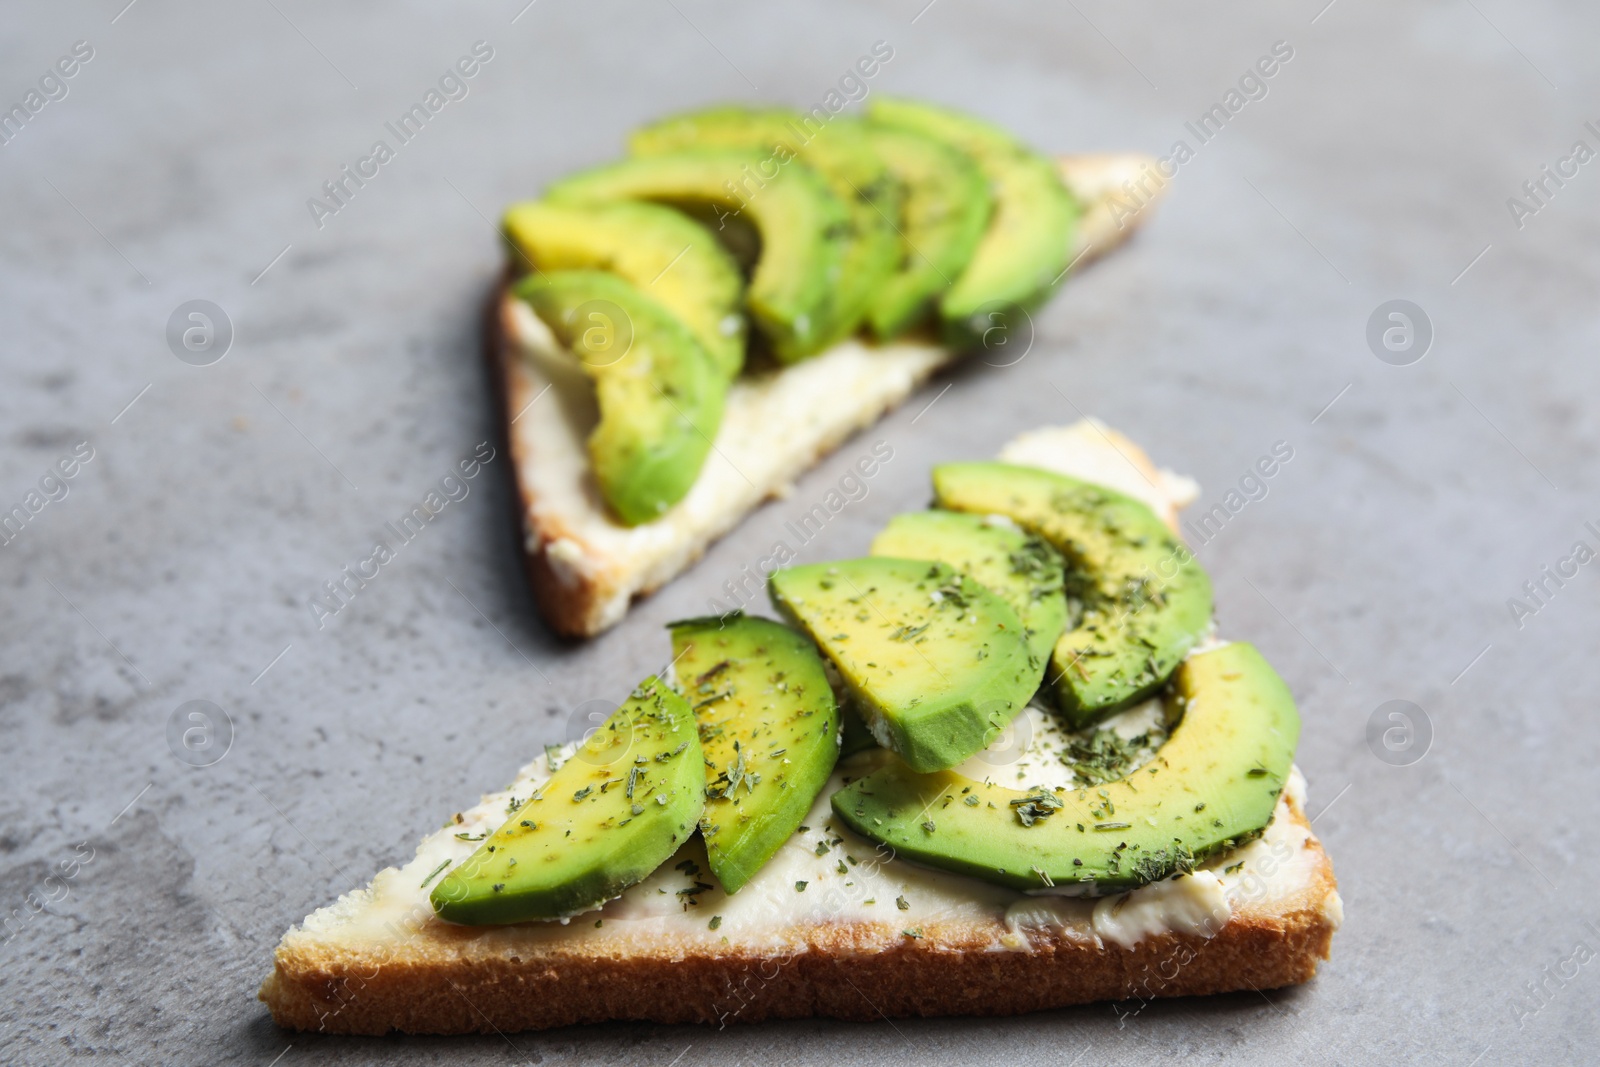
[659, 391]
[666, 255]
[1213, 785]
[804, 229]
[1138, 599]
[935, 663]
[608, 817]
[1020, 567]
[1025, 251]
[769, 728]
[838, 151]
[943, 217]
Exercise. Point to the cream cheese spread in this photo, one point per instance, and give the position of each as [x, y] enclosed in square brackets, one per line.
[825, 874]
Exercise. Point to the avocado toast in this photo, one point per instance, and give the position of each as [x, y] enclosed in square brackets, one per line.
[857, 907]
[872, 254]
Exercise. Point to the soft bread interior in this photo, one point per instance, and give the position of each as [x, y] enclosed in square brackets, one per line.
[586, 567]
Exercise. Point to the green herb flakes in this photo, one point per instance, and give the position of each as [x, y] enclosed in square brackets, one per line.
[434, 874]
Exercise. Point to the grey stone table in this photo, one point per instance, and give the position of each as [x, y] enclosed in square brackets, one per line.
[210, 499]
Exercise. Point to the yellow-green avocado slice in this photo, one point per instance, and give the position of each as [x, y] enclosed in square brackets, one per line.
[934, 662]
[804, 229]
[943, 215]
[1025, 251]
[619, 806]
[662, 252]
[770, 730]
[1020, 567]
[839, 152]
[1212, 786]
[1138, 601]
[659, 391]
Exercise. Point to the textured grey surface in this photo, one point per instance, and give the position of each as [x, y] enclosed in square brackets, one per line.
[180, 562]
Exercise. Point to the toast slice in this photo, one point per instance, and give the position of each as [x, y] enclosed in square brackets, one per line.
[584, 567]
[831, 926]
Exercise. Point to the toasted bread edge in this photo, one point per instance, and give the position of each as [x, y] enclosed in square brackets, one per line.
[840, 971]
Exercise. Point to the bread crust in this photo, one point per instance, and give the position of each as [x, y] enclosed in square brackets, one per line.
[588, 591]
[567, 601]
[851, 971]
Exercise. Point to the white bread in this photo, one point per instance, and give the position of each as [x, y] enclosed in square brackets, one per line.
[583, 566]
[869, 936]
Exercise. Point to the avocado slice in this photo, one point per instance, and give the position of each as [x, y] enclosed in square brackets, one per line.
[943, 216]
[1138, 599]
[1212, 786]
[1020, 567]
[660, 392]
[934, 662]
[1024, 252]
[804, 229]
[838, 151]
[770, 730]
[608, 817]
[669, 257]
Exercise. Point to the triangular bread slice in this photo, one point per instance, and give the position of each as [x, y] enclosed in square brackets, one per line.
[584, 567]
[829, 927]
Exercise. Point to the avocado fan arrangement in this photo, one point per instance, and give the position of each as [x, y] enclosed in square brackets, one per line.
[741, 236]
[1017, 584]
